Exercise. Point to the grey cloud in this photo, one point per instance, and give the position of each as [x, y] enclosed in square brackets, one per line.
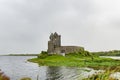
[25, 25]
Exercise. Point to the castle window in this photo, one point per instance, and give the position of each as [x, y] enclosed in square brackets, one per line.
[54, 46]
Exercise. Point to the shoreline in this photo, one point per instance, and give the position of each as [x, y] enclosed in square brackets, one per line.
[74, 61]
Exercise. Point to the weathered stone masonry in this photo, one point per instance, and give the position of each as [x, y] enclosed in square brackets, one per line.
[54, 45]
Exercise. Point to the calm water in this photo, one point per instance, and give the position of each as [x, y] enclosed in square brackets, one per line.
[17, 67]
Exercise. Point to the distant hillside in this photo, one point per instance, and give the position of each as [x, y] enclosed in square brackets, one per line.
[107, 53]
[22, 55]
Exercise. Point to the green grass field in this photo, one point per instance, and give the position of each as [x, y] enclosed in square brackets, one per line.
[75, 60]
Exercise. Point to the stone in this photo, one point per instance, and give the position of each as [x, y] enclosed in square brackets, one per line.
[54, 46]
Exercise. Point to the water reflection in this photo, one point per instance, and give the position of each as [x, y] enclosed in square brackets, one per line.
[53, 73]
[65, 73]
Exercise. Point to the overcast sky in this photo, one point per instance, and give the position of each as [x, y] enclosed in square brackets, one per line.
[25, 25]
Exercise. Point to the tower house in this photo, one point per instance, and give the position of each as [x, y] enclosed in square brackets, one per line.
[54, 42]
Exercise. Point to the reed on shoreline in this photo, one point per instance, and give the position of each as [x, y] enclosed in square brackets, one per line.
[106, 75]
[3, 76]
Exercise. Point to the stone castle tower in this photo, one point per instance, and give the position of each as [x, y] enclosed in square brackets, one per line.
[55, 42]
[54, 45]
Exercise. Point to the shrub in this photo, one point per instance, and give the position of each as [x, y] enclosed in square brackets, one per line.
[3, 76]
[43, 55]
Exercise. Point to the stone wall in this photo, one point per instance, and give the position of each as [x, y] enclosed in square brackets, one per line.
[67, 49]
[70, 49]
